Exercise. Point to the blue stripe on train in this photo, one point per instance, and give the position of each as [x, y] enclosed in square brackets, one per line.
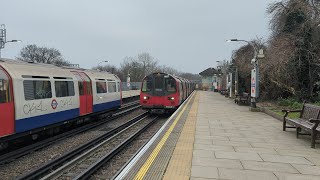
[44, 120]
[48, 119]
[108, 105]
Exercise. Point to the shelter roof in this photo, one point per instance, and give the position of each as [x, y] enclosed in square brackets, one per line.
[209, 72]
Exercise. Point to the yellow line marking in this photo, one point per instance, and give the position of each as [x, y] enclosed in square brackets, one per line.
[143, 170]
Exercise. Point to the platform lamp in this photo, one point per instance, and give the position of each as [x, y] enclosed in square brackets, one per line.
[254, 72]
[3, 37]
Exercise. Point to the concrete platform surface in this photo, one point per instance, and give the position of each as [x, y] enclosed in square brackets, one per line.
[218, 139]
[233, 143]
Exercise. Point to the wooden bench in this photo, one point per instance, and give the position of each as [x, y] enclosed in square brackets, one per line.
[243, 98]
[308, 121]
[223, 91]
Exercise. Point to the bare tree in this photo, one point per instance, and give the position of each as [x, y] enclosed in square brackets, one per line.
[295, 23]
[167, 69]
[33, 53]
[149, 64]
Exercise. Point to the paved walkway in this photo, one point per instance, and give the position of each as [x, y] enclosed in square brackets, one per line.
[233, 143]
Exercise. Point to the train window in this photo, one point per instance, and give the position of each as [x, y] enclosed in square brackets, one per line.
[170, 84]
[118, 87]
[112, 87]
[158, 83]
[81, 89]
[4, 88]
[101, 87]
[36, 89]
[64, 88]
[89, 90]
[147, 84]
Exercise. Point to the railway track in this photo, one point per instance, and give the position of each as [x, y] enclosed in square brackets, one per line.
[10, 156]
[85, 160]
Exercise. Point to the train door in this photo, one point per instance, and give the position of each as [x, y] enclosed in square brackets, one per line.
[85, 93]
[88, 91]
[6, 104]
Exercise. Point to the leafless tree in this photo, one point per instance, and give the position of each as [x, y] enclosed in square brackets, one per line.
[294, 47]
[33, 53]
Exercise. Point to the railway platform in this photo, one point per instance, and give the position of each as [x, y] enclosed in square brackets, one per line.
[131, 93]
[210, 137]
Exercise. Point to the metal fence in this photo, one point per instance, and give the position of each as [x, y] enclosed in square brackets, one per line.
[133, 86]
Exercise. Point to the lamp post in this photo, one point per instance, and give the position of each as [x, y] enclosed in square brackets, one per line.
[3, 38]
[254, 73]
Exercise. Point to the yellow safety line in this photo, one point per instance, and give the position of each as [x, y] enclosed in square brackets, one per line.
[143, 170]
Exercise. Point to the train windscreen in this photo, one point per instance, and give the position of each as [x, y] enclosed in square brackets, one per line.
[170, 85]
[147, 84]
[159, 85]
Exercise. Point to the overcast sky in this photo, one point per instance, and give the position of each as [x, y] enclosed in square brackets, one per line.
[188, 35]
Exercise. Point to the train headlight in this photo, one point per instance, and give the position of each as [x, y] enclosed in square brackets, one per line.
[145, 97]
[171, 98]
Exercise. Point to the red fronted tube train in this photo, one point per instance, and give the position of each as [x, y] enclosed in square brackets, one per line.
[164, 93]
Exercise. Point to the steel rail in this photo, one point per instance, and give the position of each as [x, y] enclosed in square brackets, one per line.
[5, 158]
[43, 170]
[98, 164]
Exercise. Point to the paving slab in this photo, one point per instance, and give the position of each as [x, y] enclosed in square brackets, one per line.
[269, 166]
[314, 160]
[289, 152]
[306, 169]
[225, 163]
[231, 143]
[203, 153]
[213, 147]
[285, 159]
[213, 137]
[238, 174]
[289, 176]
[256, 150]
[204, 172]
[238, 155]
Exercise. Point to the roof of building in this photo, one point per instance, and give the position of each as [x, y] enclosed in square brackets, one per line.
[209, 72]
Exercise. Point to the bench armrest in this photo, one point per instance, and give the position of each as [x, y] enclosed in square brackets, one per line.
[289, 111]
[315, 122]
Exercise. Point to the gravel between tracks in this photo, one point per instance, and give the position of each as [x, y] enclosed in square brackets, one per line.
[36, 159]
[112, 167]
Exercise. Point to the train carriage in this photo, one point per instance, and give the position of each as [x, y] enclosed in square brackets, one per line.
[35, 96]
[162, 93]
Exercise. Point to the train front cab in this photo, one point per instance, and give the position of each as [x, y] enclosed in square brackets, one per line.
[159, 93]
[6, 104]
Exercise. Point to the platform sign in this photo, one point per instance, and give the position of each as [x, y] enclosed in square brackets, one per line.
[254, 83]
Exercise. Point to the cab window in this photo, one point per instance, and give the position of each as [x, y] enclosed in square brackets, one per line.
[147, 84]
[170, 84]
[5, 96]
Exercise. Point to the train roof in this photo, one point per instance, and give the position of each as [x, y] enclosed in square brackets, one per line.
[174, 76]
[17, 69]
